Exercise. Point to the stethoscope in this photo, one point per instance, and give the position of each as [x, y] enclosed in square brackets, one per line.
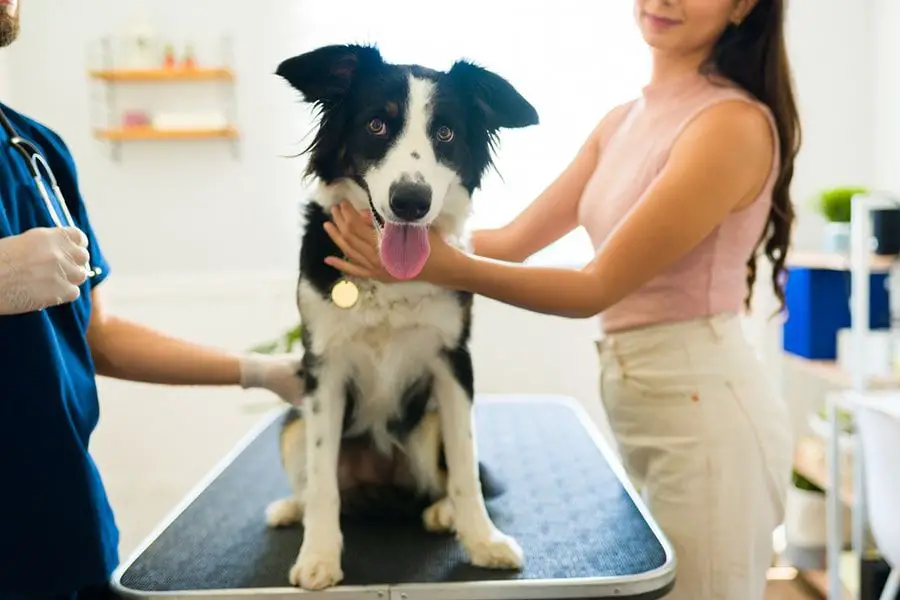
[34, 159]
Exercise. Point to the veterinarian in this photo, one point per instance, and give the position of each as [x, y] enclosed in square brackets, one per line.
[58, 536]
[678, 189]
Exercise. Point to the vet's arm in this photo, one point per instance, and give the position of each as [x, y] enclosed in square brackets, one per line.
[720, 161]
[123, 349]
[552, 215]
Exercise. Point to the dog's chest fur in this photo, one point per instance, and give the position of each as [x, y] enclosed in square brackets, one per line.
[384, 347]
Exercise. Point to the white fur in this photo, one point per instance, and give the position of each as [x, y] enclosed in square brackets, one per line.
[387, 342]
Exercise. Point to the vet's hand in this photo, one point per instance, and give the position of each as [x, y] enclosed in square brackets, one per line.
[40, 268]
[278, 373]
[354, 233]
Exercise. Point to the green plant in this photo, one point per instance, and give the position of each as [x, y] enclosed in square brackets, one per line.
[802, 483]
[283, 343]
[834, 204]
[844, 418]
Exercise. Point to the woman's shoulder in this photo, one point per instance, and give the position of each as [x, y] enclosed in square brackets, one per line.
[719, 89]
[612, 120]
[614, 116]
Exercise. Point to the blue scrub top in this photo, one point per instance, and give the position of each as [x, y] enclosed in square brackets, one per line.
[57, 531]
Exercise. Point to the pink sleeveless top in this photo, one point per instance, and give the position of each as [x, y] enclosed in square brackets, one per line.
[711, 278]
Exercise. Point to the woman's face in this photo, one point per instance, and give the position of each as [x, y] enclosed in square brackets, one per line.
[687, 26]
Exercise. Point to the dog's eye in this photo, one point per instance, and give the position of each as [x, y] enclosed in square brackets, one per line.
[377, 127]
[444, 133]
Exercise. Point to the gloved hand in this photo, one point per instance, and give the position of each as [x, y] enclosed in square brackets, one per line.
[278, 373]
[41, 267]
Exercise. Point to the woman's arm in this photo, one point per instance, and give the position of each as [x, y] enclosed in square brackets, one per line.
[722, 160]
[553, 214]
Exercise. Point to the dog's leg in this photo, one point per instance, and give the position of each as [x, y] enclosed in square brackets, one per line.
[424, 450]
[319, 563]
[486, 545]
[288, 511]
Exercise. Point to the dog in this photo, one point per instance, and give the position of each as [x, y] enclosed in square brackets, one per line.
[389, 382]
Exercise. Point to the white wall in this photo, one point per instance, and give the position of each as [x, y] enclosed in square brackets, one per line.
[154, 210]
[5, 88]
[833, 58]
[886, 96]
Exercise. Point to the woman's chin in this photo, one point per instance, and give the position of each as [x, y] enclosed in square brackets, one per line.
[661, 42]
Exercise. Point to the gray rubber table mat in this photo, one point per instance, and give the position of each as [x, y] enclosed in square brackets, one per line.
[562, 501]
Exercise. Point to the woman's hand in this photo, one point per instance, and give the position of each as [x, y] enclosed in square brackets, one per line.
[355, 234]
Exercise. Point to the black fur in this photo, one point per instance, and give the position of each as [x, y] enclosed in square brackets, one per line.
[315, 248]
[414, 403]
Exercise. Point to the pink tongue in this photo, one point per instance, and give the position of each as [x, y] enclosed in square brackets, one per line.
[404, 249]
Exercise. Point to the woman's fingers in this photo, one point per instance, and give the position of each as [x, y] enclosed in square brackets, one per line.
[357, 232]
[356, 236]
[348, 268]
[347, 247]
[361, 226]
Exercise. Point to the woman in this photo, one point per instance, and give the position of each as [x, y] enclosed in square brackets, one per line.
[678, 189]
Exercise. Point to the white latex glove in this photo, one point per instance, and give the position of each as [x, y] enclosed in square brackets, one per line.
[41, 267]
[277, 373]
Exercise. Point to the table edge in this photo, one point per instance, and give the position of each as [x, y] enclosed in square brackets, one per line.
[643, 585]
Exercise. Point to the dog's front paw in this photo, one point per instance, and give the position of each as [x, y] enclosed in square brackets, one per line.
[284, 512]
[317, 569]
[496, 551]
[438, 518]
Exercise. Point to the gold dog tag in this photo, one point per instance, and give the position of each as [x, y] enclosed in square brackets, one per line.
[344, 294]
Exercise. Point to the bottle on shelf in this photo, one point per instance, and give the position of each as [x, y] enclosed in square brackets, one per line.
[169, 56]
[189, 60]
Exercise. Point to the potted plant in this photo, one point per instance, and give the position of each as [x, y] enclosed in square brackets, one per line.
[283, 343]
[805, 520]
[835, 205]
[804, 515]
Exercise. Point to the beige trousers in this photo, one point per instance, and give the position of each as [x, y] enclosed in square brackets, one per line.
[707, 439]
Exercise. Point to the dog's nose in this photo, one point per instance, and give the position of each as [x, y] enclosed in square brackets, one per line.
[410, 201]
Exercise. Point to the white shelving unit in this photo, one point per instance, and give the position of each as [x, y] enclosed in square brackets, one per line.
[860, 384]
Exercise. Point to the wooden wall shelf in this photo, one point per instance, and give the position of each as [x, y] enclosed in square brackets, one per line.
[128, 134]
[163, 75]
[117, 128]
[832, 261]
[831, 371]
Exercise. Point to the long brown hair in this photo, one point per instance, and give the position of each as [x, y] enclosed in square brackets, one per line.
[752, 54]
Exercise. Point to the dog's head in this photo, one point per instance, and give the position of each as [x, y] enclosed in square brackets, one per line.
[416, 140]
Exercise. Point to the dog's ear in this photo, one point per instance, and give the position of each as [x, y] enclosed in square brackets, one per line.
[500, 103]
[325, 75]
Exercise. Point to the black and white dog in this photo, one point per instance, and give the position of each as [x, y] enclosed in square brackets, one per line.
[389, 381]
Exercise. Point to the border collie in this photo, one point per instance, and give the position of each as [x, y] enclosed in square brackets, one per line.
[389, 380]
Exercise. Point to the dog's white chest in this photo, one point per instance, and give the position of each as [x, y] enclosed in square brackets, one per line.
[384, 343]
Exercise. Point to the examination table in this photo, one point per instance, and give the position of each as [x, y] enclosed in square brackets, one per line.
[566, 499]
